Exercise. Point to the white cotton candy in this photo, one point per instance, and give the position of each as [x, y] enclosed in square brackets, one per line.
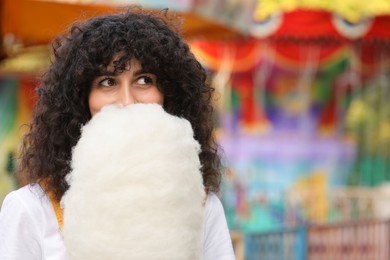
[136, 189]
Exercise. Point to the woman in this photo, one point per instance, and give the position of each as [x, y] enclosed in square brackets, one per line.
[131, 57]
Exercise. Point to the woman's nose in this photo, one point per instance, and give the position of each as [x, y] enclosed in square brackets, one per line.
[126, 97]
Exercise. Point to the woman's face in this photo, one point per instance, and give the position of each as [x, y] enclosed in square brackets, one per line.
[131, 86]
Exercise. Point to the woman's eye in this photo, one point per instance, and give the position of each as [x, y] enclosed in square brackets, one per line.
[108, 82]
[145, 80]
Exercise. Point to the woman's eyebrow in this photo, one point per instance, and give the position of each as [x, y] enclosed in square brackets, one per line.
[141, 71]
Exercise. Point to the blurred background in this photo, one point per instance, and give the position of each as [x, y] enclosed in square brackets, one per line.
[303, 113]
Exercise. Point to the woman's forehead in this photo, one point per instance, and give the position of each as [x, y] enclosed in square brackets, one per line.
[131, 63]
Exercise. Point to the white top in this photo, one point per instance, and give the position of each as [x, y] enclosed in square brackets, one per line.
[29, 228]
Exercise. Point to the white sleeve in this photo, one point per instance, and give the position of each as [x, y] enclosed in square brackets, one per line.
[217, 241]
[19, 235]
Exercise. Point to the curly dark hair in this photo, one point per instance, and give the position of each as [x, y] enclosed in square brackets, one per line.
[83, 54]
